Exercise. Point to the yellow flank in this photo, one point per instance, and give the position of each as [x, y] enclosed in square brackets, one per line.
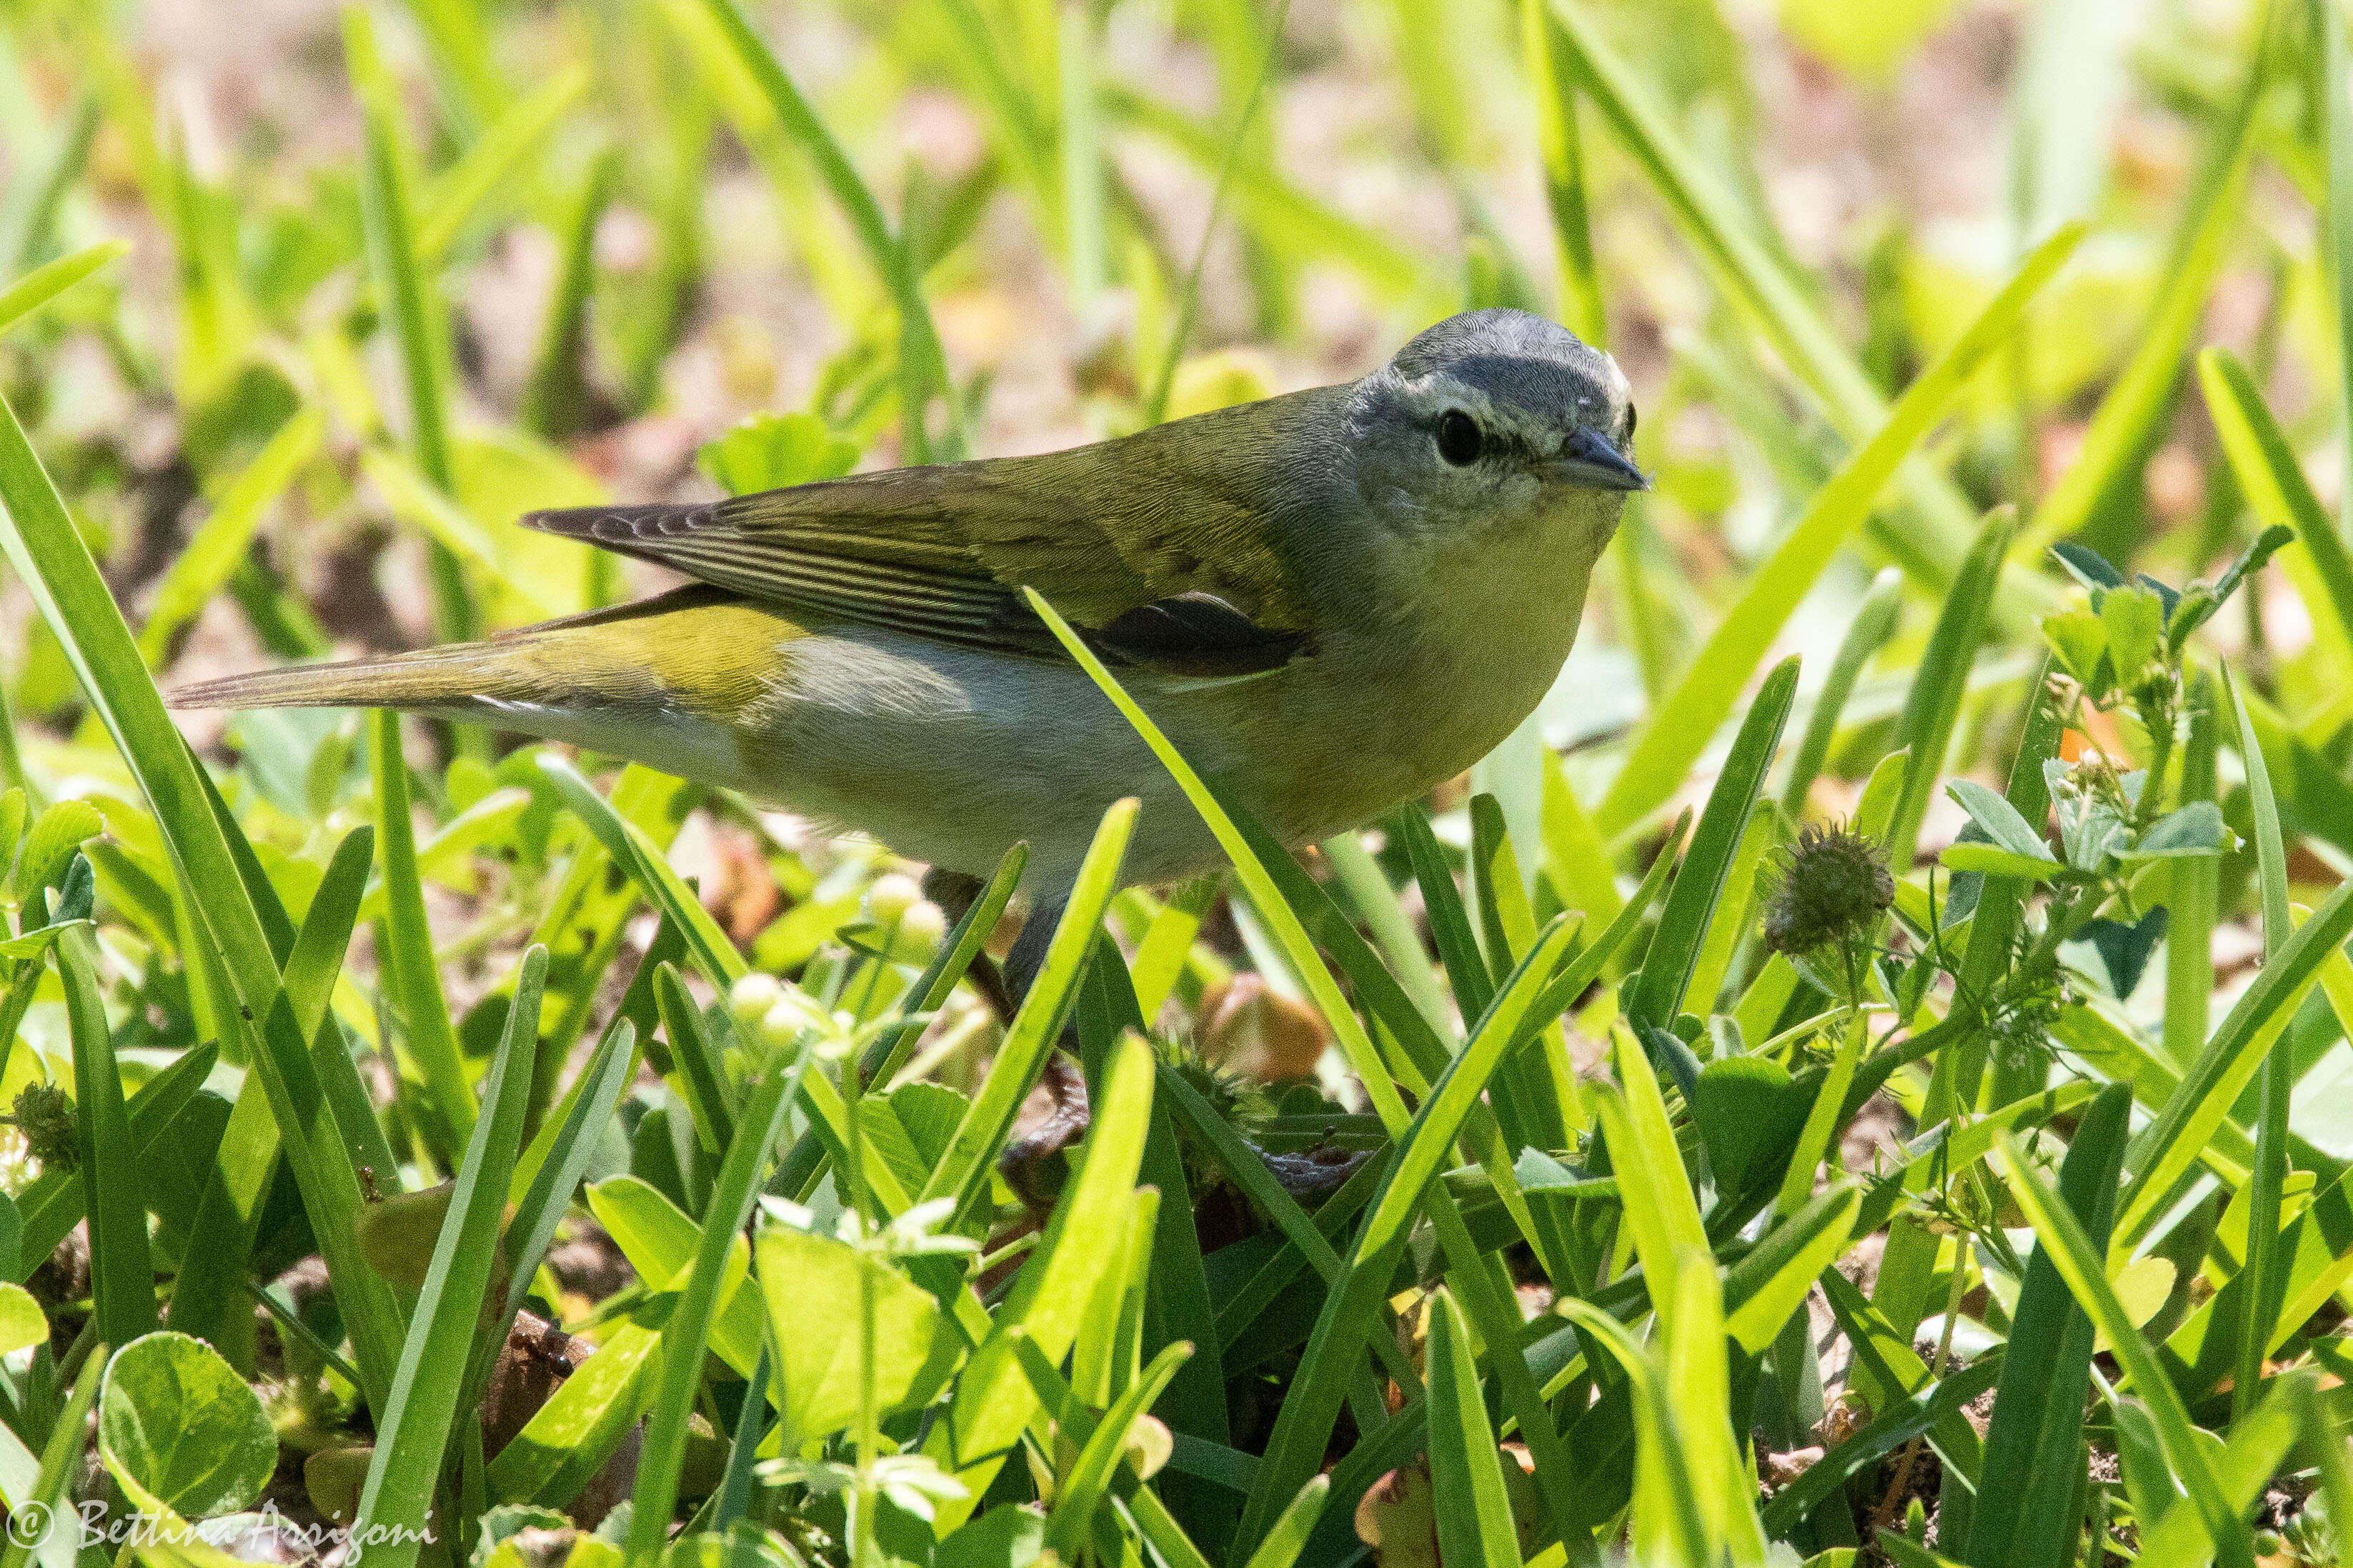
[696, 649]
[714, 658]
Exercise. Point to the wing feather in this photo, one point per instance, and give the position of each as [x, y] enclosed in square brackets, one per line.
[1160, 545]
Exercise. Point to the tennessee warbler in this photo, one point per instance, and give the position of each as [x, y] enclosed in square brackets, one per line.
[1332, 600]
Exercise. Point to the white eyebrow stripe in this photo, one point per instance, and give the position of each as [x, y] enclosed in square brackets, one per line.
[1427, 398]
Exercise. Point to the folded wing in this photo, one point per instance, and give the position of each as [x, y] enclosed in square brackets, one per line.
[1158, 547]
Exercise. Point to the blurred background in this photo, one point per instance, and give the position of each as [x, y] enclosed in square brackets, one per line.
[398, 272]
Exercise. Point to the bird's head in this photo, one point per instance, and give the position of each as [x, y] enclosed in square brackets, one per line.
[1493, 422]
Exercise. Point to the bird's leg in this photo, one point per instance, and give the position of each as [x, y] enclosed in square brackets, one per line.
[1065, 1116]
[955, 892]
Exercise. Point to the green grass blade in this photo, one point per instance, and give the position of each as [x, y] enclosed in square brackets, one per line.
[1669, 1525]
[121, 1272]
[1661, 1211]
[1887, 1431]
[924, 372]
[207, 1294]
[1475, 1512]
[2026, 1497]
[413, 977]
[411, 305]
[2080, 1265]
[554, 1167]
[994, 1400]
[221, 540]
[1449, 922]
[55, 566]
[413, 1433]
[2125, 421]
[963, 1171]
[450, 198]
[636, 854]
[1933, 708]
[1671, 739]
[2195, 1110]
[2268, 1180]
[1066, 1526]
[557, 400]
[1771, 1279]
[1674, 948]
[699, 1067]
[2273, 483]
[1283, 1544]
[1555, 92]
[2336, 149]
[1874, 622]
[664, 1459]
[43, 284]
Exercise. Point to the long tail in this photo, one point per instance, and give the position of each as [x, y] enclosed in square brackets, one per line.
[463, 677]
[679, 649]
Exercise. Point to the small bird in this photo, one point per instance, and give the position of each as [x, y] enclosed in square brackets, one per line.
[1330, 600]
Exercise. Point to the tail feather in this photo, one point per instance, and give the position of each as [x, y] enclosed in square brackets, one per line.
[448, 679]
[608, 656]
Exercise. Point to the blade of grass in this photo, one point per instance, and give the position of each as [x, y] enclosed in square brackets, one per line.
[2336, 117]
[551, 1170]
[1932, 707]
[1658, 994]
[962, 1173]
[925, 369]
[2026, 1500]
[220, 541]
[2123, 423]
[2268, 1180]
[412, 976]
[449, 198]
[1083, 1487]
[1680, 727]
[994, 1400]
[55, 566]
[1555, 92]
[206, 1291]
[411, 310]
[413, 1433]
[1474, 1511]
[2194, 1111]
[2078, 1263]
[122, 1271]
[662, 1460]
[1668, 1523]
[43, 284]
[2273, 483]
[697, 1064]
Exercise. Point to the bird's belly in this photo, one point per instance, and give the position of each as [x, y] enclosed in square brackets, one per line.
[950, 755]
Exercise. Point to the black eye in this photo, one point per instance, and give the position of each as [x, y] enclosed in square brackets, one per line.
[1628, 436]
[1458, 438]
